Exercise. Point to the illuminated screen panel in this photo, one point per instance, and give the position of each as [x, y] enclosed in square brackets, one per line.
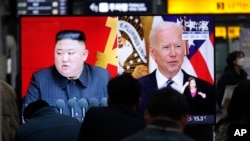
[120, 45]
[38, 40]
[116, 7]
[207, 6]
[42, 7]
[199, 59]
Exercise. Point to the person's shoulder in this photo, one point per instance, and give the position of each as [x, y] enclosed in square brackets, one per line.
[198, 80]
[94, 69]
[68, 118]
[135, 137]
[98, 109]
[98, 112]
[44, 70]
[148, 76]
[184, 137]
[203, 82]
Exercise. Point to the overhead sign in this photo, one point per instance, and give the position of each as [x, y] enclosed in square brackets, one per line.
[118, 6]
[208, 6]
[41, 7]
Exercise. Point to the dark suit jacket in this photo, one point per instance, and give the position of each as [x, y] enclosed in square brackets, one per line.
[160, 130]
[149, 85]
[47, 125]
[110, 123]
[48, 85]
[197, 132]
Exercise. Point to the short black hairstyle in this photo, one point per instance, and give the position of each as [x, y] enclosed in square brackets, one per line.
[33, 107]
[167, 102]
[124, 90]
[71, 34]
[232, 57]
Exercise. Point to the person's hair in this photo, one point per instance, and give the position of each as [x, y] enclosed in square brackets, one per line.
[162, 26]
[189, 80]
[167, 102]
[34, 107]
[71, 34]
[10, 118]
[124, 90]
[239, 105]
[232, 57]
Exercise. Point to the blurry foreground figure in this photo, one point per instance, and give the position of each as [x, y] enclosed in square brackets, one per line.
[10, 118]
[167, 115]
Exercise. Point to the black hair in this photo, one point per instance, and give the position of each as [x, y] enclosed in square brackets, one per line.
[167, 102]
[33, 107]
[124, 90]
[71, 34]
[232, 57]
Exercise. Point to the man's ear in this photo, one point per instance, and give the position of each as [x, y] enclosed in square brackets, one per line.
[85, 54]
[151, 50]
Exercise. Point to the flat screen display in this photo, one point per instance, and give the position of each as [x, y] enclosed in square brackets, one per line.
[42, 7]
[120, 44]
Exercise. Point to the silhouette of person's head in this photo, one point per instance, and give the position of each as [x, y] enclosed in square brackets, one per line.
[169, 104]
[33, 107]
[235, 58]
[124, 90]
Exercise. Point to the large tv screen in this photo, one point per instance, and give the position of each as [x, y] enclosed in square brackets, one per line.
[120, 44]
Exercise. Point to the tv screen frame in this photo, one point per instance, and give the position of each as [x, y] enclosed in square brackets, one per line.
[37, 40]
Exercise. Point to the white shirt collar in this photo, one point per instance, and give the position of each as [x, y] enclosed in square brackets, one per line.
[178, 80]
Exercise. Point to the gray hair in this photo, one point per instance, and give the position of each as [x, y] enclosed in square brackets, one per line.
[163, 26]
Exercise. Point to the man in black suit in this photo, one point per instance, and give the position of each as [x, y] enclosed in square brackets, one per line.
[167, 48]
[120, 118]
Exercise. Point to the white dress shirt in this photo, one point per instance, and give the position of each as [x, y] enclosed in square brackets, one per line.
[178, 80]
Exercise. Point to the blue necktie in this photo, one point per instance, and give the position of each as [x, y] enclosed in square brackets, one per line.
[169, 83]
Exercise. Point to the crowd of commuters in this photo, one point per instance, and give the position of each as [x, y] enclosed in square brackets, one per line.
[146, 108]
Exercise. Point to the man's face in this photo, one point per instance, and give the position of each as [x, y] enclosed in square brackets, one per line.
[168, 51]
[69, 57]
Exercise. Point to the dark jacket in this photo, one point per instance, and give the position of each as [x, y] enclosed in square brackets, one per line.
[197, 132]
[49, 85]
[160, 130]
[229, 77]
[110, 123]
[197, 104]
[47, 125]
[149, 85]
